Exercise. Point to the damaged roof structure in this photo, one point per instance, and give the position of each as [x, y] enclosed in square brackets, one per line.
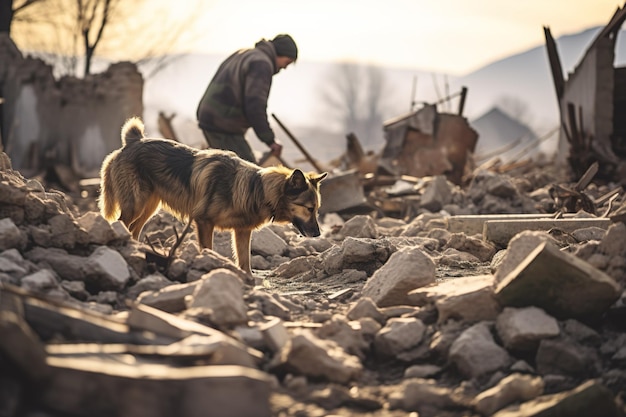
[592, 105]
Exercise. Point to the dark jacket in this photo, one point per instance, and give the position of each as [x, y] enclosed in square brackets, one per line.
[236, 98]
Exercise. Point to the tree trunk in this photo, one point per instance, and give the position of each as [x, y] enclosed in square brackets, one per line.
[6, 16]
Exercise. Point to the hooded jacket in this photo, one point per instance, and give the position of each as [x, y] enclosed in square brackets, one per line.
[236, 97]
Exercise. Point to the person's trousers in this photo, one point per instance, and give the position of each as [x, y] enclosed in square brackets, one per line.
[230, 142]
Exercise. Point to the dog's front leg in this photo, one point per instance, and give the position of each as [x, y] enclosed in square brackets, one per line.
[242, 248]
[205, 233]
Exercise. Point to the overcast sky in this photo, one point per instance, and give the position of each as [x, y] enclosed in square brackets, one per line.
[454, 36]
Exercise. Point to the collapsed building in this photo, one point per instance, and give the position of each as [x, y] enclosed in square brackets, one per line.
[592, 105]
[48, 125]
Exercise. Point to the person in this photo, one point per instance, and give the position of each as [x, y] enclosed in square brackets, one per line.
[236, 98]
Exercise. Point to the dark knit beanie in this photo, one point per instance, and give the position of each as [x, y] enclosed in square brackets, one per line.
[285, 46]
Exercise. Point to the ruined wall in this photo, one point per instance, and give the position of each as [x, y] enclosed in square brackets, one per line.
[590, 88]
[75, 122]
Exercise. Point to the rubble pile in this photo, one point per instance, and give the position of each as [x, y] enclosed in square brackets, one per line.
[454, 311]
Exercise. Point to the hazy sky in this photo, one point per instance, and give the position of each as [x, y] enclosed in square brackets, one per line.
[455, 36]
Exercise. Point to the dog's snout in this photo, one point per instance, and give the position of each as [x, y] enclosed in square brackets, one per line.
[309, 228]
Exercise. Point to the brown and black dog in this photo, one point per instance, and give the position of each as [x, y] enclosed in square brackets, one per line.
[213, 188]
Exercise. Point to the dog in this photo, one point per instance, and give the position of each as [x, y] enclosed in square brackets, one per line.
[214, 189]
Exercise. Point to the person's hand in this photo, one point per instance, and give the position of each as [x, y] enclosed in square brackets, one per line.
[276, 148]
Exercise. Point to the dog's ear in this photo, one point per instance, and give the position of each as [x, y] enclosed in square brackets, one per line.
[315, 179]
[296, 181]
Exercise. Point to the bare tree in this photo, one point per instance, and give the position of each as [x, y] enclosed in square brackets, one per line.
[10, 10]
[92, 17]
[77, 31]
[354, 100]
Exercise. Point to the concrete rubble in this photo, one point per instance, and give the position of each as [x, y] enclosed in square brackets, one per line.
[424, 314]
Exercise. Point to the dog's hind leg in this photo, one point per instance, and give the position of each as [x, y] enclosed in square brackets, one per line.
[142, 214]
[205, 233]
[242, 248]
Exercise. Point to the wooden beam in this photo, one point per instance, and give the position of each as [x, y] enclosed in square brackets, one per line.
[555, 65]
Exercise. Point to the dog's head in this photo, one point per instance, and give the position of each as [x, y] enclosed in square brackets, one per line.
[302, 198]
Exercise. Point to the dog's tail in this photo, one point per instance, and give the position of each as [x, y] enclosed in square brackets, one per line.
[132, 131]
[109, 208]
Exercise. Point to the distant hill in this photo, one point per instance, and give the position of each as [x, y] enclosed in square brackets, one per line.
[296, 99]
[527, 77]
[495, 129]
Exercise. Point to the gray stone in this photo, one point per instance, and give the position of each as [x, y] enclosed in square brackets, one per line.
[406, 269]
[614, 242]
[360, 226]
[99, 230]
[40, 281]
[467, 299]
[475, 353]
[559, 283]
[67, 266]
[365, 307]
[346, 334]
[437, 194]
[523, 328]
[10, 235]
[105, 269]
[310, 356]
[514, 388]
[588, 399]
[220, 291]
[398, 335]
[566, 357]
[267, 243]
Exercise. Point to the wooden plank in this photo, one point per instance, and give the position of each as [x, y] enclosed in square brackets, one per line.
[52, 319]
[117, 386]
[555, 64]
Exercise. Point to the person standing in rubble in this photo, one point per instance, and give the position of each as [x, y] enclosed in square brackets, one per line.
[236, 98]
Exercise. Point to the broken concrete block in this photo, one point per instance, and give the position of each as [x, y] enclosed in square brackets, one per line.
[563, 356]
[267, 243]
[365, 307]
[67, 266]
[559, 283]
[437, 194]
[521, 329]
[40, 281]
[308, 355]
[588, 399]
[500, 232]
[275, 334]
[511, 389]
[472, 224]
[221, 291]
[469, 301]
[63, 231]
[98, 228]
[421, 371]
[406, 269]
[105, 269]
[518, 249]
[347, 334]
[170, 298]
[475, 353]
[424, 396]
[480, 248]
[269, 305]
[10, 235]
[94, 386]
[22, 346]
[467, 298]
[614, 243]
[398, 335]
[360, 226]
